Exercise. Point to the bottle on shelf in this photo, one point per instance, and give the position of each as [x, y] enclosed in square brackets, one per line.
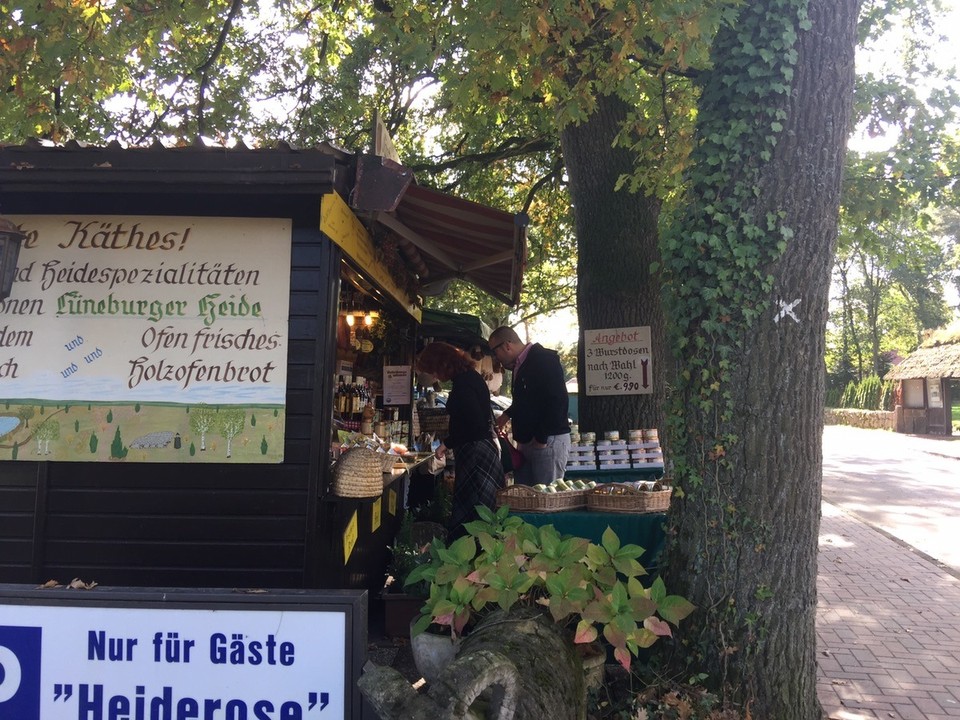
[339, 398]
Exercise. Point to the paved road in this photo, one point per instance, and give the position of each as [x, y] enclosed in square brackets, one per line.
[888, 617]
[907, 486]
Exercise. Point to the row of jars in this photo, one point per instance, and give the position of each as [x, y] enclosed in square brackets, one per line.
[642, 435]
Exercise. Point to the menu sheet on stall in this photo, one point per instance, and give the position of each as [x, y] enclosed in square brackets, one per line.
[618, 361]
[397, 384]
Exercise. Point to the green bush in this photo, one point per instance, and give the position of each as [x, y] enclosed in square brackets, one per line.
[504, 562]
[870, 393]
[834, 397]
[846, 400]
[886, 395]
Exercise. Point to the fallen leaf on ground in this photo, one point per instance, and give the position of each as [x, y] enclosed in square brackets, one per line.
[78, 584]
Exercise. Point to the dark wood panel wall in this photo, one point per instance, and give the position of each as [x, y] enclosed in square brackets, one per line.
[18, 500]
[203, 525]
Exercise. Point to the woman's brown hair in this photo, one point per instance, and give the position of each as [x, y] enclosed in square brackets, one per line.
[444, 360]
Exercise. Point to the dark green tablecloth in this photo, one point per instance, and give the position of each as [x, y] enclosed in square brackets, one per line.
[643, 529]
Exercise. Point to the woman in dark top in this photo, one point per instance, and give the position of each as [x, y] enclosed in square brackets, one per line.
[479, 472]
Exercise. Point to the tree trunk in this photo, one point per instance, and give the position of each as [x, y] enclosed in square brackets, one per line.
[616, 243]
[745, 524]
[512, 666]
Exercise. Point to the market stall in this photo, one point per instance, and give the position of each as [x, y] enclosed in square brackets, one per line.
[180, 331]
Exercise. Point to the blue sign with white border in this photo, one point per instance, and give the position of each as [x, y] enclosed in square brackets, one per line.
[122, 655]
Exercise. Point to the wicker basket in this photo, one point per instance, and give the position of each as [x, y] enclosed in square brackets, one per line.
[433, 420]
[358, 473]
[521, 498]
[624, 498]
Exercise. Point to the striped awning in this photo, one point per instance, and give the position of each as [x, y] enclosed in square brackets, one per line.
[460, 239]
[442, 236]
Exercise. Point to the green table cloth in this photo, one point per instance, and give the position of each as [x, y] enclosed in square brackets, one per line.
[643, 529]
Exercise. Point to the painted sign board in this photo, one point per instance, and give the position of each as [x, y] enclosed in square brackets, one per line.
[153, 654]
[618, 361]
[146, 339]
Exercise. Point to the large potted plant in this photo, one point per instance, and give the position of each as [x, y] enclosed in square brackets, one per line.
[505, 563]
[524, 598]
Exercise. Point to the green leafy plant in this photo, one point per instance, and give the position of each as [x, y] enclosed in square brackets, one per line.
[438, 508]
[504, 562]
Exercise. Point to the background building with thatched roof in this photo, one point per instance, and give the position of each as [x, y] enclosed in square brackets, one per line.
[927, 376]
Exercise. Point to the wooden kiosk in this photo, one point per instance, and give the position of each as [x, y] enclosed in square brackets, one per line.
[204, 459]
[928, 385]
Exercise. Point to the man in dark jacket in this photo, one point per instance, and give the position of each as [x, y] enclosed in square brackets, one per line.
[539, 410]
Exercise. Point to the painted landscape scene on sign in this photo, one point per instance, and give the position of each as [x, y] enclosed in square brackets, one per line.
[141, 432]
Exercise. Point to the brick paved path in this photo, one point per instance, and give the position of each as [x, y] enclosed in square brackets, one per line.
[888, 627]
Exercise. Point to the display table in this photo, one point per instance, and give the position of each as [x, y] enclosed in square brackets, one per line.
[643, 529]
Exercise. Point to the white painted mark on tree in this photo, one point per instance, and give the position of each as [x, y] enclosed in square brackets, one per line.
[787, 310]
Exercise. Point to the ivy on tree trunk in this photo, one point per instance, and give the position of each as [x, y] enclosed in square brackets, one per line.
[748, 269]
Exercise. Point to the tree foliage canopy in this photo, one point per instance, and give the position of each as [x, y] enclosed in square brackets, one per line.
[307, 72]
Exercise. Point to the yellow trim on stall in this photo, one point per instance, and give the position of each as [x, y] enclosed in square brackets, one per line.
[338, 222]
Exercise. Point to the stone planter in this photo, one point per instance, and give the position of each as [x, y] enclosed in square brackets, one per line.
[594, 658]
[514, 665]
[432, 652]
